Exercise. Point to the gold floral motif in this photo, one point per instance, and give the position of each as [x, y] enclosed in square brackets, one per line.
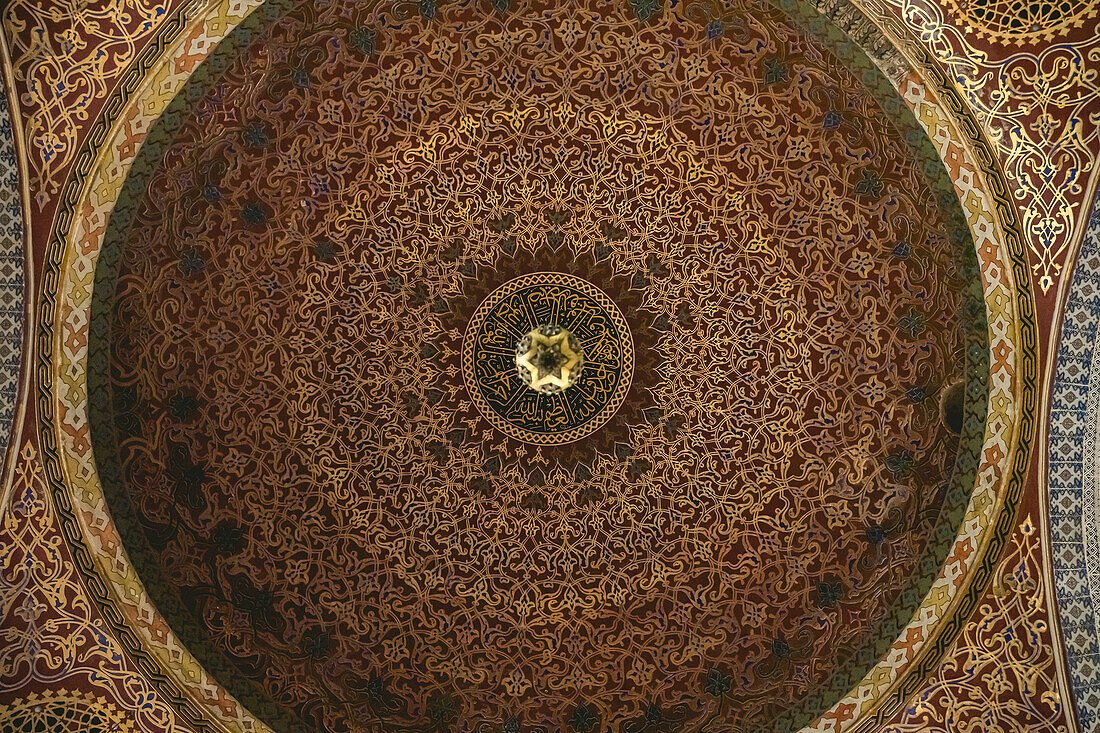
[67, 57]
[1001, 673]
[51, 633]
[550, 359]
[1033, 106]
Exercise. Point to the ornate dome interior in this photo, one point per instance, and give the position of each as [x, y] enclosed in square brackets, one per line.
[309, 403]
[583, 366]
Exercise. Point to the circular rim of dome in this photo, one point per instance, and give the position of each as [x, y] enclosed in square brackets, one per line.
[72, 477]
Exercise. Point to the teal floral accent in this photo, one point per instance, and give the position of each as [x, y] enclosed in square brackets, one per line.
[584, 719]
[776, 71]
[900, 464]
[362, 40]
[718, 684]
[646, 9]
[191, 263]
[870, 185]
[828, 594]
[183, 406]
[253, 214]
[255, 134]
[912, 323]
[299, 76]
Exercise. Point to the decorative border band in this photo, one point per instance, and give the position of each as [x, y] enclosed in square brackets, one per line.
[1072, 463]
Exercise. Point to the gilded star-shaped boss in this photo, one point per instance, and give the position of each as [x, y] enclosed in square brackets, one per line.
[549, 359]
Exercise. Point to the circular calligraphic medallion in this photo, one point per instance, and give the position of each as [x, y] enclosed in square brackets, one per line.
[538, 311]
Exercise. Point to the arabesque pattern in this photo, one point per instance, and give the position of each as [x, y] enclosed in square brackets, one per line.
[60, 668]
[297, 454]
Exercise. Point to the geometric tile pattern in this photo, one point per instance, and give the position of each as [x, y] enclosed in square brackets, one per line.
[1072, 461]
[62, 710]
[11, 271]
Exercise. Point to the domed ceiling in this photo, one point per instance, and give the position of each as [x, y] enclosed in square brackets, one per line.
[556, 367]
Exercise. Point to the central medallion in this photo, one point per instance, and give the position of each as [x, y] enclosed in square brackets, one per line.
[548, 358]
